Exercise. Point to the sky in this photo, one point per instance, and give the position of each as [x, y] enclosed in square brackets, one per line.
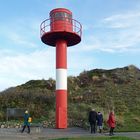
[110, 38]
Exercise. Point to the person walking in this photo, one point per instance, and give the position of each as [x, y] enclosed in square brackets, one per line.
[100, 121]
[111, 122]
[92, 120]
[26, 122]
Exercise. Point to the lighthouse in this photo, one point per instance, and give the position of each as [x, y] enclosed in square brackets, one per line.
[61, 31]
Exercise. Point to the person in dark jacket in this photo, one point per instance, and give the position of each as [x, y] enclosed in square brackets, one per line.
[92, 120]
[26, 122]
[100, 121]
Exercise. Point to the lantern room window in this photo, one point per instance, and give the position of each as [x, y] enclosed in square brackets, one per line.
[61, 16]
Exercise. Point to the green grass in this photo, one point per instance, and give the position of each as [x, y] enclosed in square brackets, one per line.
[95, 138]
[130, 124]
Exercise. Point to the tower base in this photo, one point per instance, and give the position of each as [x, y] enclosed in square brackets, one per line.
[61, 109]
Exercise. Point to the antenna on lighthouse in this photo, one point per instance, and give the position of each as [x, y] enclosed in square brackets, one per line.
[61, 31]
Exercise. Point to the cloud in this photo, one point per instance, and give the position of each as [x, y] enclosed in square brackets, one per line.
[22, 32]
[116, 34]
[19, 39]
[125, 28]
[124, 20]
[19, 68]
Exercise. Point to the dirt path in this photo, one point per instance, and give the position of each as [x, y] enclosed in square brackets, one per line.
[47, 133]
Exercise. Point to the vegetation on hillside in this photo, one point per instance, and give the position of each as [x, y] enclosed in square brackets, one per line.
[117, 89]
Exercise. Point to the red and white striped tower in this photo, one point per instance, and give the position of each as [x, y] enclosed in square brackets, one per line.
[61, 31]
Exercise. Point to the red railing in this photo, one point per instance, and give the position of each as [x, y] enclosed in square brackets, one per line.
[46, 26]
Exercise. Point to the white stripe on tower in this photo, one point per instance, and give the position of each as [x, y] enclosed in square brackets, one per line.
[61, 79]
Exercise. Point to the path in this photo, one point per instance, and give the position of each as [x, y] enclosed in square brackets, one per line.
[47, 133]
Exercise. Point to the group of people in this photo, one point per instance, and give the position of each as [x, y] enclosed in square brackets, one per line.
[96, 121]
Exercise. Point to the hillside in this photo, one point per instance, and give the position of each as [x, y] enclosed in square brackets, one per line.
[100, 89]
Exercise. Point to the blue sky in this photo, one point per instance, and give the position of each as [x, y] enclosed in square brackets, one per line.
[110, 39]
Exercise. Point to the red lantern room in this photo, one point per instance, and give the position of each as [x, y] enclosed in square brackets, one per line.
[61, 26]
[61, 20]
